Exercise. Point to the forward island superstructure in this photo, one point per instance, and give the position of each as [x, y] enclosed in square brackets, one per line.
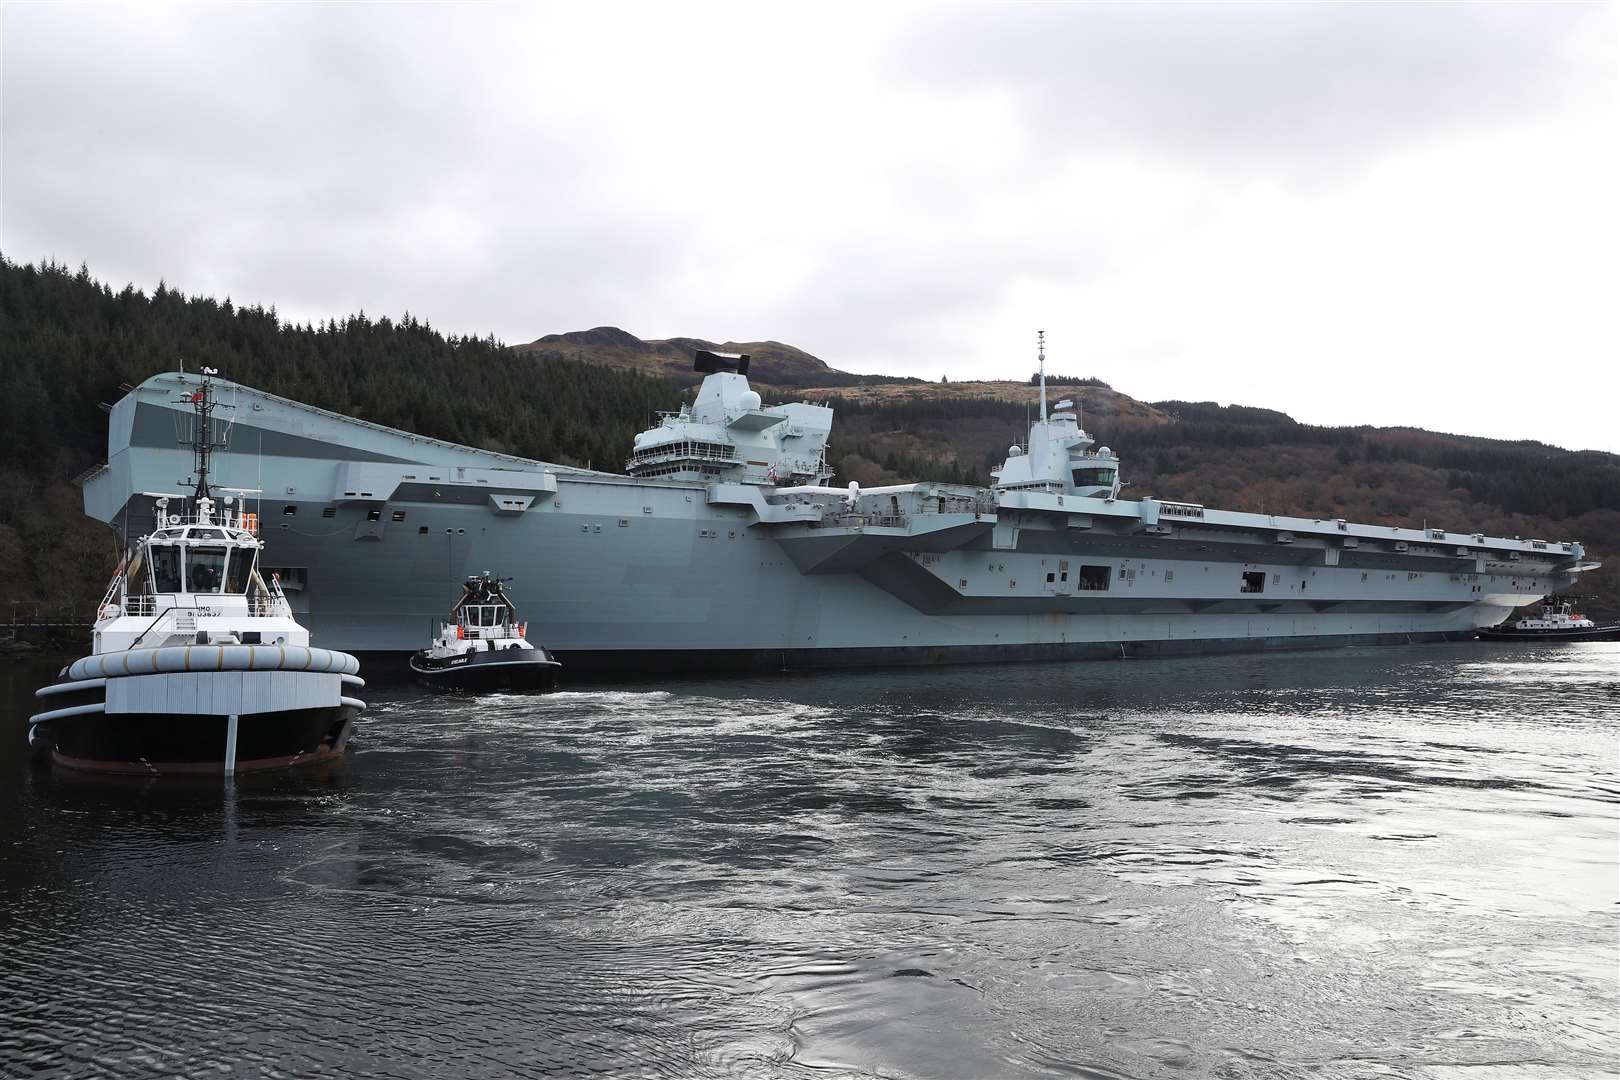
[724, 545]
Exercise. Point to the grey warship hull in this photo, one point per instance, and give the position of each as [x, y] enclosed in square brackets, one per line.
[371, 527]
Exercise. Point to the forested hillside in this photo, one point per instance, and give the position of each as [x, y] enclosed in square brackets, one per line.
[67, 342]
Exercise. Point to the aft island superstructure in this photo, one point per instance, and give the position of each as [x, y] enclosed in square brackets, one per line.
[724, 544]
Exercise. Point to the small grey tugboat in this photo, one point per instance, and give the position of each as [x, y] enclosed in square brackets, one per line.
[482, 646]
[1556, 621]
[198, 666]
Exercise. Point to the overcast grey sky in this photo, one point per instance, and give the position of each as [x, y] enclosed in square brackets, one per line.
[1358, 213]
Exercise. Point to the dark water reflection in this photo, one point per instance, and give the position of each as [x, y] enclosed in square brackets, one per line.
[1344, 864]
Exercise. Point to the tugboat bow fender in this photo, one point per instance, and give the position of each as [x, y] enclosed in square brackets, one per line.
[70, 687]
[181, 658]
[72, 710]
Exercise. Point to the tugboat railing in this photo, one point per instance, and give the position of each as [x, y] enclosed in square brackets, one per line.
[162, 617]
[109, 598]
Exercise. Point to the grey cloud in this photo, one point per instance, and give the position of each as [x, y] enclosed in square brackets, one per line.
[294, 155]
[1297, 87]
[521, 170]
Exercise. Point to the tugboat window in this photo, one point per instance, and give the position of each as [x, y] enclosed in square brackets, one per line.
[205, 569]
[236, 574]
[166, 570]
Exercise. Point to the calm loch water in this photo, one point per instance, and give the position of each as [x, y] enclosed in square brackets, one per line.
[1375, 862]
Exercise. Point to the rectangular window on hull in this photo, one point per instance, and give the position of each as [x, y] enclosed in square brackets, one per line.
[1095, 578]
[293, 578]
[1254, 581]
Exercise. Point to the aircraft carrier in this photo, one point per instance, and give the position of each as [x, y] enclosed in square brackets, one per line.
[725, 546]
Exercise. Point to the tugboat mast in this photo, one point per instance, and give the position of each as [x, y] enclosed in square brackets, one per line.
[202, 440]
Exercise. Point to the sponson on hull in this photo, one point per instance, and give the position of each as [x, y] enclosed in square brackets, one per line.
[727, 545]
[483, 646]
[198, 665]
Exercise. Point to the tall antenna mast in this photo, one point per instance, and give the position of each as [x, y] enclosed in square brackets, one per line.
[203, 437]
[1040, 347]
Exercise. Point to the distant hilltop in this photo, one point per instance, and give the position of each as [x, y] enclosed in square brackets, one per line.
[774, 363]
[783, 368]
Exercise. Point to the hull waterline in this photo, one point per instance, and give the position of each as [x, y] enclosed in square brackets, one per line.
[480, 675]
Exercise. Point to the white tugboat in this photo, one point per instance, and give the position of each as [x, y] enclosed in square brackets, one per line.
[483, 646]
[1556, 621]
[198, 664]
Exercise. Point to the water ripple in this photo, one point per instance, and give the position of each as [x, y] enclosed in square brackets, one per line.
[1342, 864]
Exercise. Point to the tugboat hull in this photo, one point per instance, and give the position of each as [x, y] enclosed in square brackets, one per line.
[1595, 633]
[248, 708]
[150, 744]
[529, 672]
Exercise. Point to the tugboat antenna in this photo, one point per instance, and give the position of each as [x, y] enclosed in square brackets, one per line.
[1040, 352]
[202, 437]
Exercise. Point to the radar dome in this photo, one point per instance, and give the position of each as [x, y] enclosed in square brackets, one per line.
[748, 399]
[1105, 452]
[1015, 450]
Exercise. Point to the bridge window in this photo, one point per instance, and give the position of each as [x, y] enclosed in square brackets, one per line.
[1095, 578]
[1093, 477]
[1254, 581]
[205, 569]
[236, 574]
[166, 570]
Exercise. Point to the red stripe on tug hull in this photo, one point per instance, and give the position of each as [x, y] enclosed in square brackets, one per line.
[192, 768]
[153, 745]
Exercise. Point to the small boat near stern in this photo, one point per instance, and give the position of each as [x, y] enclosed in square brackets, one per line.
[1556, 621]
[483, 647]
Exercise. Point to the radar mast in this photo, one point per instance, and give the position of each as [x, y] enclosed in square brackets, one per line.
[203, 437]
[1040, 353]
